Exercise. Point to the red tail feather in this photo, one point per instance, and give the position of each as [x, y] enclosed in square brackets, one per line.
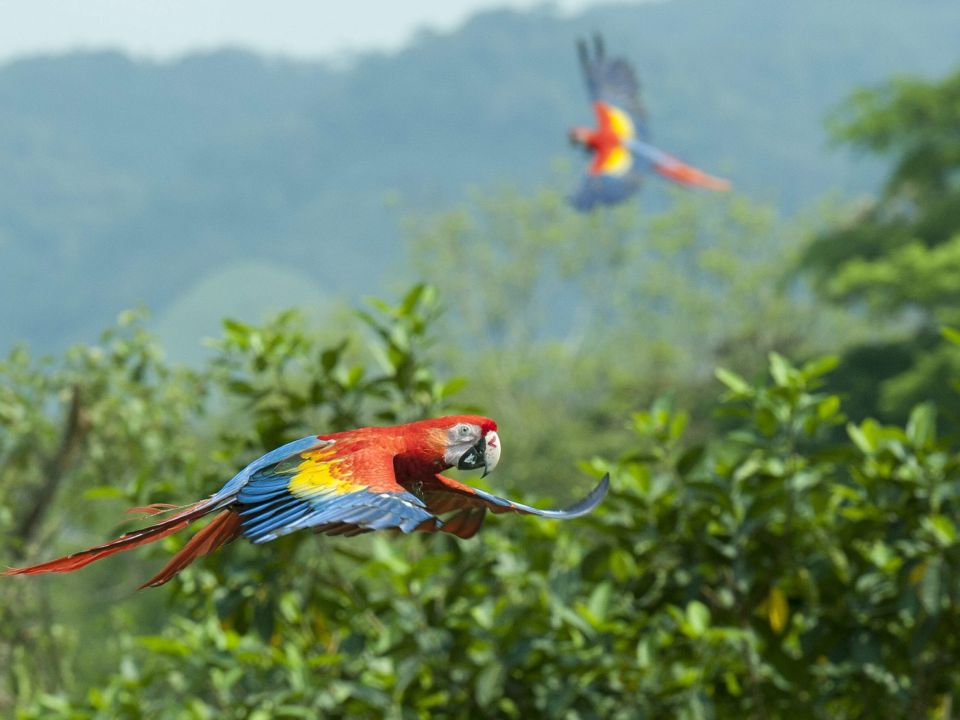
[223, 529]
[132, 539]
[687, 175]
[155, 509]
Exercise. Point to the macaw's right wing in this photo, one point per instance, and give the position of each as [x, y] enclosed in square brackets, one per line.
[606, 188]
[470, 505]
[337, 487]
[612, 83]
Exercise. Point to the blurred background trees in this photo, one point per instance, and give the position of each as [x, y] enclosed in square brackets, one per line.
[897, 258]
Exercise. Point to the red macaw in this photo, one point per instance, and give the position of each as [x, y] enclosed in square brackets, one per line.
[620, 142]
[347, 483]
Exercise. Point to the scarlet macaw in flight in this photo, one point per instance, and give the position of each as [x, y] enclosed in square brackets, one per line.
[620, 142]
[347, 483]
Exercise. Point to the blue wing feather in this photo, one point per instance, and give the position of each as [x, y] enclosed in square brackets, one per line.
[272, 511]
[272, 458]
[613, 82]
[269, 510]
[578, 509]
[604, 190]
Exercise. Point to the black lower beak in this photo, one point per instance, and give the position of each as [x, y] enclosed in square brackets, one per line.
[475, 457]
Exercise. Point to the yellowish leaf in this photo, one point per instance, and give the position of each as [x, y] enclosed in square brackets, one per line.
[778, 612]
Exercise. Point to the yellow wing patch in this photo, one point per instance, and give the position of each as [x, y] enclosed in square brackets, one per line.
[620, 123]
[617, 162]
[321, 473]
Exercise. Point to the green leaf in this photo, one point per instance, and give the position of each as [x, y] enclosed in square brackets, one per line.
[489, 683]
[942, 528]
[950, 335]
[600, 600]
[828, 408]
[411, 299]
[922, 425]
[102, 492]
[733, 381]
[819, 367]
[237, 332]
[165, 645]
[331, 356]
[697, 618]
[861, 439]
[780, 370]
[452, 386]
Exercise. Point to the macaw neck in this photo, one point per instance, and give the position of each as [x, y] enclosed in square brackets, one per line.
[420, 456]
[587, 137]
[602, 140]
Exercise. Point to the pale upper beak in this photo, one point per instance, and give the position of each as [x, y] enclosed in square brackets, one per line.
[485, 454]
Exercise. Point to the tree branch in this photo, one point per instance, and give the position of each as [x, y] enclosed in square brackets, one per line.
[75, 429]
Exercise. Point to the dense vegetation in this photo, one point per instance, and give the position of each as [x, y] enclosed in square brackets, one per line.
[899, 256]
[781, 538]
[763, 571]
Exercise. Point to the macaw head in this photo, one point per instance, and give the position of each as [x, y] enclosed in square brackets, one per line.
[471, 443]
[581, 137]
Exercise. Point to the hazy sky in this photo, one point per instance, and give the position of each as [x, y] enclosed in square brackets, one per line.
[164, 28]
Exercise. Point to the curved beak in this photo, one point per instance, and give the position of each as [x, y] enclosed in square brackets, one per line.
[475, 457]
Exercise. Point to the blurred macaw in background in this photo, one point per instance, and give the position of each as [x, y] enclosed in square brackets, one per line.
[347, 483]
[620, 142]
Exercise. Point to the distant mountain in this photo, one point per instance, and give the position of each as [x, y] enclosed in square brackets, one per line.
[127, 181]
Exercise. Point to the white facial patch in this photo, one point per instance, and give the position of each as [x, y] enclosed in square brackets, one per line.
[492, 453]
[460, 438]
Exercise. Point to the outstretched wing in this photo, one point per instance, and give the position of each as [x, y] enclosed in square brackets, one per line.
[471, 504]
[612, 83]
[329, 486]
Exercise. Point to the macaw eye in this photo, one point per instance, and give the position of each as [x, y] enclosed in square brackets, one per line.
[464, 429]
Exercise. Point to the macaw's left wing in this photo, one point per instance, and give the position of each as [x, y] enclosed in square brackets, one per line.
[612, 83]
[337, 487]
[471, 504]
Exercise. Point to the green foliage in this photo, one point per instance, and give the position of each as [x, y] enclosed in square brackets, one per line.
[113, 422]
[823, 573]
[78, 433]
[900, 255]
[290, 380]
[766, 573]
[583, 317]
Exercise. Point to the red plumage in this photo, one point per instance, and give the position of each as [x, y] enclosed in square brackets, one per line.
[127, 541]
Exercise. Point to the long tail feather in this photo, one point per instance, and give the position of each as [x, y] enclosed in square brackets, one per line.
[688, 175]
[155, 509]
[224, 528]
[132, 539]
